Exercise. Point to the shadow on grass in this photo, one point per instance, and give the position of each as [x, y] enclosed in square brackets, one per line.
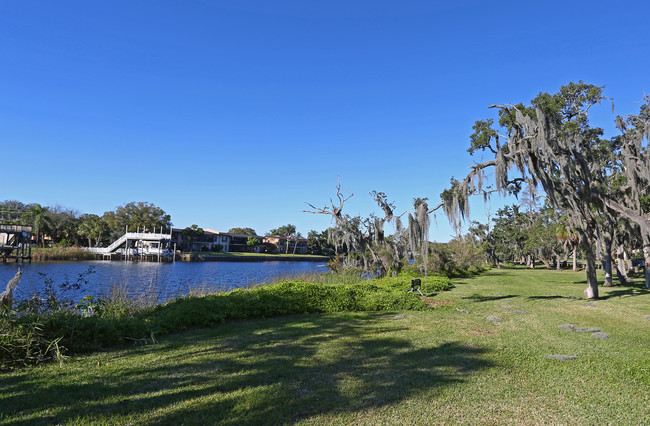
[480, 298]
[276, 371]
[625, 291]
[554, 297]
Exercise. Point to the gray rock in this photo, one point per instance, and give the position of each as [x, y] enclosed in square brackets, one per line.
[465, 311]
[492, 318]
[520, 312]
[591, 304]
[572, 327]
[600, 335]
[567, 327]
[562, 357]
[398, 316]
[506, 308]
[647, 317]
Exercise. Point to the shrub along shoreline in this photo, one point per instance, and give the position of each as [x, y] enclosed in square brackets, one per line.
[27, 337]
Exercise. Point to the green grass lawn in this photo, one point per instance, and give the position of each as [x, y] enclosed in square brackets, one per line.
[437, 366]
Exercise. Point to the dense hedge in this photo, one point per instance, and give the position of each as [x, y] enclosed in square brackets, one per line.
[28, 339]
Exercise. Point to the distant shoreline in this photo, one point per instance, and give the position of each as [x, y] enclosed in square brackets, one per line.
[197, 257]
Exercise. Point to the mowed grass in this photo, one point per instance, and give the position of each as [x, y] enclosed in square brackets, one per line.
[431, 367]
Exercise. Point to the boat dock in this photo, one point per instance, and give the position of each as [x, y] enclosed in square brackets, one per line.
[150, 246]
[15, 243]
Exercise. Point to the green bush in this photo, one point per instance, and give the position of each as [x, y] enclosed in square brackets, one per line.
[285, 298]
[25, 343]
[84, 334]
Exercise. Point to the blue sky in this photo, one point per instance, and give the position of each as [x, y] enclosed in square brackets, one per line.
[237, 113]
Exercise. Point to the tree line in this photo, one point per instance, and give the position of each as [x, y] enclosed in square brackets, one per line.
[67, 227]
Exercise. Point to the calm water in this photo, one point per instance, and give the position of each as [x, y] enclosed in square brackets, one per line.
[165, 280]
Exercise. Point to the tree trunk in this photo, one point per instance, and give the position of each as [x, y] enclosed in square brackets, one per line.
[546, 263]
[591, 292]
[628, 263]
[646, 255]
[530, 261]
[557, 263]
[575, 258]
[621, 269]
[607, 261]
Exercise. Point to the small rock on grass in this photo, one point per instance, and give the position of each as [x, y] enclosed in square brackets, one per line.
[562, 357]
[508, 308]
[572, 327]
[591, 304]
[647, 317]
[492, 318]
[398, 316]
[600, 335]
[465, 311]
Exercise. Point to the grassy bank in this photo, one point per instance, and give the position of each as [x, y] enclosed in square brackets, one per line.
[61, 253]
[43, 327]
[449, 364]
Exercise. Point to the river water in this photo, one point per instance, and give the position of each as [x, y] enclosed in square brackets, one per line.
[160, 280]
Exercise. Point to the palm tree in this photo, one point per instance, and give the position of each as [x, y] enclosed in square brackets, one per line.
[568, 239]
[40, 220]
[191, 233]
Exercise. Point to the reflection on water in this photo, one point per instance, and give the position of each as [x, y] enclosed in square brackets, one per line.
[165, 280]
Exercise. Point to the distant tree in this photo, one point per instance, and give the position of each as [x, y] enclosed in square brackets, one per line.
[191, 233]
[41, 221]
[541, 237]
[317, 243]
[287, 231]
[143, 215]
[242, 231]
[252, 243]
[65, 223]
[92, 227]
[12, 210]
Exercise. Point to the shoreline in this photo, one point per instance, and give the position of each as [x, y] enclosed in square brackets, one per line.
[252, 258]
[183, 257]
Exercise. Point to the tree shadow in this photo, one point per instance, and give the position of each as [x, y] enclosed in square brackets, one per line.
[274, 372]
[624, 292]
[480, 298]
[554, 297]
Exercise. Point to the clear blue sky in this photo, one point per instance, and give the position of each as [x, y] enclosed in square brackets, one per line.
[236, 113]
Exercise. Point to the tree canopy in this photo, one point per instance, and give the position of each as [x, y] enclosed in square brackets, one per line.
[143, 215]
[242, 231]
